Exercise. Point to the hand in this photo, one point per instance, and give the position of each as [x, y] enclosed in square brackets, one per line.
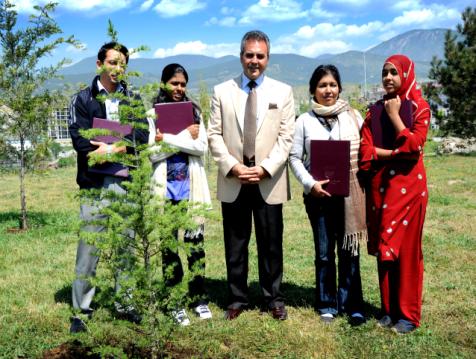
[103, 148]
[240, 171]
[248, 175]
[159, 136]
[392, 106]
[318, 191]
[193, 129]
[257, 174]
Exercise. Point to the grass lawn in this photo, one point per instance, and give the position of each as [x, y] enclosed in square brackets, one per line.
[36, 272]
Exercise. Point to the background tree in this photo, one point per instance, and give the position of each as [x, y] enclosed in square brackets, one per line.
[204, 102]
[455, 75]
[22, 79]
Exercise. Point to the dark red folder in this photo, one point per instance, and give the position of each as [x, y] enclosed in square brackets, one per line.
[331, 160]
[113, 126]
[174, 117]
[111, 168]
[383, 132]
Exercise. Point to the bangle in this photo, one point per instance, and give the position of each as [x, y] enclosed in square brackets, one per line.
[109, 149]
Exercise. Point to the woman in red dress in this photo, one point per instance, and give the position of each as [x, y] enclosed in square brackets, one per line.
[398, 196]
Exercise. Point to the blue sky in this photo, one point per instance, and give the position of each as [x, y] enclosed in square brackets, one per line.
[214, 28]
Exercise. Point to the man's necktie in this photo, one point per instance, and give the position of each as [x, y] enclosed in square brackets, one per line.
[249, 127]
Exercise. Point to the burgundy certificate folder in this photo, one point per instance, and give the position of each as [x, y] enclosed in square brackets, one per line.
[383, 132]
[331, 160]
[111, 168]
[173, 117]
[113, 126]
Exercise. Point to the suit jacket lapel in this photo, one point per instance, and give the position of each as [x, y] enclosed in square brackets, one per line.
[236, 95]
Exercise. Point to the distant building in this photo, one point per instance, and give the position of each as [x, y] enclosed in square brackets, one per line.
[58, 125]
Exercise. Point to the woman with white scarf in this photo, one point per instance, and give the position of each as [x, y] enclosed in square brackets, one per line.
[335, 220]
[180, 176]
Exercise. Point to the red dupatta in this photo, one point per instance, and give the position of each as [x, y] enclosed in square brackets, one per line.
[409, 89]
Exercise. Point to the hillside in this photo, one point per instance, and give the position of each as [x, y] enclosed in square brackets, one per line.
[420, 45]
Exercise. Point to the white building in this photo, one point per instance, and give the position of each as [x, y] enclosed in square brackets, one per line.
[58, 125]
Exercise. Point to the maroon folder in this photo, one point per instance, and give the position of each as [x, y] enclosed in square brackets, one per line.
[331, 160]
[114, 127]
[383, 132]
[174, 117]
[111, 168]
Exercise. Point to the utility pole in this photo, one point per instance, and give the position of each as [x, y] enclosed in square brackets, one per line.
[365, 78]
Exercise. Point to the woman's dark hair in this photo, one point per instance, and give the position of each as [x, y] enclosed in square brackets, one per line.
[319, 73]
[168, 72]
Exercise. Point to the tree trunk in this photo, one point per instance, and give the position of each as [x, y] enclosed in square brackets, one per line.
[23, 217]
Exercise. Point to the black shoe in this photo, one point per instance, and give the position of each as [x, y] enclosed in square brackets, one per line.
[385, 322]
[127, 312]
[77, 325]
[233, 313]
[403, 327]
[357, 319]
[279, 312]
[130, 315]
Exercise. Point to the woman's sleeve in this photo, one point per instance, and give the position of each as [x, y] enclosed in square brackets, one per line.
[156, 154]
[412, 140]
[184, 142]
[296, 157]
[367, 152]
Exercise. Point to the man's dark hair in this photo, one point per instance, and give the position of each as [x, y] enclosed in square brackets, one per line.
[254, 35]
[319, 73]
[114, 46]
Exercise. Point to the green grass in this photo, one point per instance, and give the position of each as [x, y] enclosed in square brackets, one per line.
[36, 271]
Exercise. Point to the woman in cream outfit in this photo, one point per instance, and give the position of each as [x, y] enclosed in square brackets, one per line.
[179, 176]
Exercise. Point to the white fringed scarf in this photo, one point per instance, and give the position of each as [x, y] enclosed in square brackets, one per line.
[354, 205]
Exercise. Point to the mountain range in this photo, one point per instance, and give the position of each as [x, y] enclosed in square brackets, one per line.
[419, 45]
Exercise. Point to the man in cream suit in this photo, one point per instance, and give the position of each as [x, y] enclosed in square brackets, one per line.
[250, 135]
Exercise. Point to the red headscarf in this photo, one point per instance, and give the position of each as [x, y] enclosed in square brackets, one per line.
[410, 89]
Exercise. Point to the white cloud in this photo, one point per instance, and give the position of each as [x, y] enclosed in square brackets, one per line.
[324, 38]
[412, 17]
[329, 31]
[350, 2]
[318, 11]
[82, 47]
[306, 32]
[146, 5]
[227, 10]
[324, 47]
[172, 8]
[135, 54]
[75, 5]
[199, 48]
[434, 16]
[406, 5]
[227, 21]
[272, 10]
[363, 30]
